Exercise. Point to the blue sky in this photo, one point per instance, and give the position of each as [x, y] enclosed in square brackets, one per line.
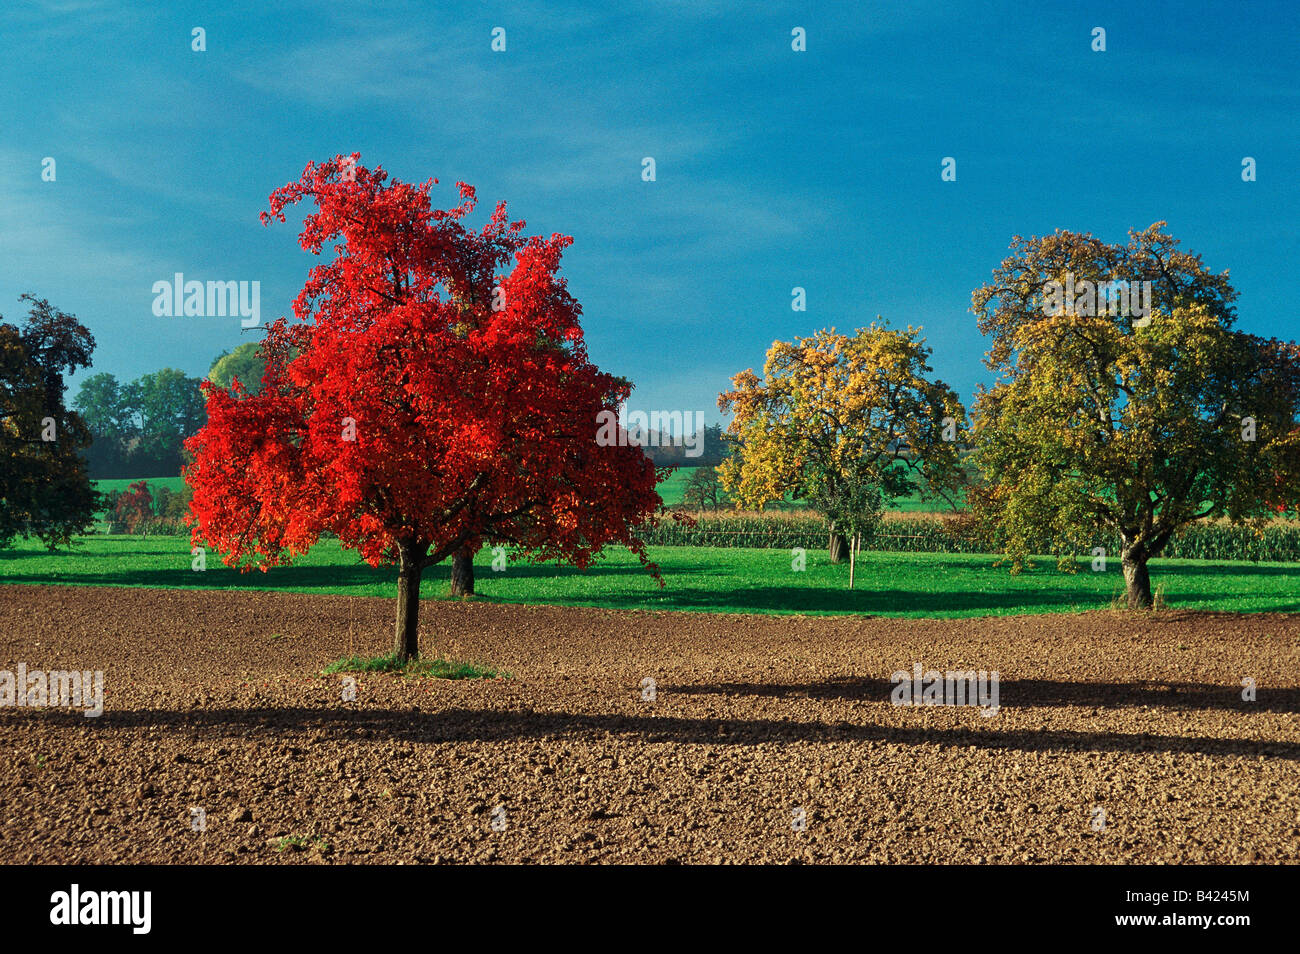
[775, 169]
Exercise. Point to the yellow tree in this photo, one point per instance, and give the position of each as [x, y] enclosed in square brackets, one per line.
[834, 414]
[1108, 420]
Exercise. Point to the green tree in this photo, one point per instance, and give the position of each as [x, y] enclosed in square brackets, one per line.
[1137, 425]
[169, 408]
[715, 445]
[102, 403]
[246, 363]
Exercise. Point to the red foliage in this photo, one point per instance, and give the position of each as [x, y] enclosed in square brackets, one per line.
[134, 507]
[473, 426]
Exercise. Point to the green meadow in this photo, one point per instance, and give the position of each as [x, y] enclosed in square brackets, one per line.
[707, 579]
[174, 484]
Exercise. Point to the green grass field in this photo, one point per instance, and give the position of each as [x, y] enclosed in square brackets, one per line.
[697, 578]
[171, 483]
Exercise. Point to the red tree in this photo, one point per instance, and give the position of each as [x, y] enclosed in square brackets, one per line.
[434, 395]
[134, 507]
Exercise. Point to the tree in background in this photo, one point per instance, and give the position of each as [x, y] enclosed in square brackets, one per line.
[140, 428]
[433, 396]
[45, 489]
[245, 363]
[715, 446]
[171, 506]
[704, 490]
[102, 405]
[669, 450]
[834, 413]
[1108, 423]
[132, 509]
[170, 408]
[148, 508]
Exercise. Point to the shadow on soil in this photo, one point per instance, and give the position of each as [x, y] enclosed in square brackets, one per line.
[1032, 693]
[298, 577]
[793, 599]
[466, 725]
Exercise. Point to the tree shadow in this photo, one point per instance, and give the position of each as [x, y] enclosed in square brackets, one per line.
[301, 577]
[694, 585]
[1029, 693]
[224, 579]
[472, 725]
[1218, 568]
[485, 574]
[867, 602]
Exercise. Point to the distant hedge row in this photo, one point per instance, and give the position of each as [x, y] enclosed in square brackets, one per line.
[152, 527]
[1277, 543]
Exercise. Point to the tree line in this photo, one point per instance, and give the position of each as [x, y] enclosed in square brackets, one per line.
[52, 449]
[139, 428]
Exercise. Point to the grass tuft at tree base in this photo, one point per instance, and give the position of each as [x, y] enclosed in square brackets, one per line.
[429, 668]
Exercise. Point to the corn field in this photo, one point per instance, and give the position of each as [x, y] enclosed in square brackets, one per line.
[1278, 542]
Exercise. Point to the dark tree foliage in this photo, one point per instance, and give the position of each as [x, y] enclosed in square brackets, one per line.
[45, 489]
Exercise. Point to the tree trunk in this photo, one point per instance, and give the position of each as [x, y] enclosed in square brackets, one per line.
[1136, 578]
[462, 572]
[407, 642]
[838, 546]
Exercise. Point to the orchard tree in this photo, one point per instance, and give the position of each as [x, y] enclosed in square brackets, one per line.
[703, 490]
[834, 415]
[1106, 421]
[245, 363]
[133, 508]
[432, 396]
[45, 489]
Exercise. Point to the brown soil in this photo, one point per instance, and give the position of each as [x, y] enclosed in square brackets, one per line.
[1140, 716]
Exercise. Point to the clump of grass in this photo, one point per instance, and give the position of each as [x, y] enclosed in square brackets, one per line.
[428, 668]
[301, 842]
[1158, 601]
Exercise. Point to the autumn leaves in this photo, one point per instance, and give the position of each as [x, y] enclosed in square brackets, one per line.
[1134, 421]
[458, 357]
